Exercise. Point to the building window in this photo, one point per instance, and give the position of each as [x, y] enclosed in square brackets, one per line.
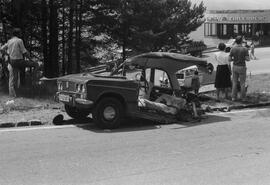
[246, 29]
[224, 33]
[210, 29]
[227, 30]
[235, 29]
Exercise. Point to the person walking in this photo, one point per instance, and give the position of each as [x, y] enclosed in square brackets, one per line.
[16, 51]
[239, 55]
[252, 51]
[223, 74]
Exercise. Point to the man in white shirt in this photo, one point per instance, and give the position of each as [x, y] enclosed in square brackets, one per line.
[17, 52]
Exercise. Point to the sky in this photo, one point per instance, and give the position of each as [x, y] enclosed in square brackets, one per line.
[234, 4]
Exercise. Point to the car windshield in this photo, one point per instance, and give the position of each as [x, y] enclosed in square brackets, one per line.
[230, 42]
[129, 72]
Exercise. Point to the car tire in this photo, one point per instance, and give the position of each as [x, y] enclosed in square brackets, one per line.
[76, 113]
[108, 113]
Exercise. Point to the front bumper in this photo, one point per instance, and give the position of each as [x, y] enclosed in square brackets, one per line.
[73, 100]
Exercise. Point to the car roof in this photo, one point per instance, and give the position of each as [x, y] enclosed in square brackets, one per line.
[194, 67]
[167, 61]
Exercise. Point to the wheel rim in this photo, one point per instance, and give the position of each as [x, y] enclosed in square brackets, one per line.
[109, 113]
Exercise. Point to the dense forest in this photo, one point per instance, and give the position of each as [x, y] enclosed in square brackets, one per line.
[68, 35]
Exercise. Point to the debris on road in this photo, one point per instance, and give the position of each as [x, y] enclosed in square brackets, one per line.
[58, 119]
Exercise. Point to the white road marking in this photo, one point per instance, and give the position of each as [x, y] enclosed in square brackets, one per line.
[18, 129]
[240, 111]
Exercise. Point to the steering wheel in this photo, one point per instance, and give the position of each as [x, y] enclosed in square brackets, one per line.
[140, 78]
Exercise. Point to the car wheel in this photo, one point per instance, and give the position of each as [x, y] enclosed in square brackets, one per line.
[76, 113]
[108, 113]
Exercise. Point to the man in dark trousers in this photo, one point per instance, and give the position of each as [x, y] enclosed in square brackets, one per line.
[16, 51]
[239, 55]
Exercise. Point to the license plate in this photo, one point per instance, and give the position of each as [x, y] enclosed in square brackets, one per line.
[63, 97]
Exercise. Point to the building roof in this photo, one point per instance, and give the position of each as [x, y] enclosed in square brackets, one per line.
[236, 11]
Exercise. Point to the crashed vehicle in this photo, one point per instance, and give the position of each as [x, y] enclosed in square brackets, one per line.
[111, 98]
[184, 76]
[231, 43]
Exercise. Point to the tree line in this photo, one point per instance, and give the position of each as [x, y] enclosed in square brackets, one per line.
[67, 35]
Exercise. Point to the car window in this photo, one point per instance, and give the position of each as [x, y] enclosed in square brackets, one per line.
[179, 75]
[161, 79]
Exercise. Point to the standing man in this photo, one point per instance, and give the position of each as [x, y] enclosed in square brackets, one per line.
[17, 52]
[239, 55]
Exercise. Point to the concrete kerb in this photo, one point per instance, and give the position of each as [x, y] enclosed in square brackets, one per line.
[21, 124]
[7, 125]
[264, 104]
[237, 107]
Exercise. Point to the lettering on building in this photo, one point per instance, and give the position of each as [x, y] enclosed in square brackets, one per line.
[235, 19]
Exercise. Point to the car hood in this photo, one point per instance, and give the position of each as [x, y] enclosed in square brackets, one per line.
[81, 77]
[84, 77]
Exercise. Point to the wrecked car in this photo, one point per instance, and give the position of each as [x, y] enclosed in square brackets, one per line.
[133, 90]
[184, 76]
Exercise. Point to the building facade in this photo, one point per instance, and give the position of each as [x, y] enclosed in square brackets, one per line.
[226, 24]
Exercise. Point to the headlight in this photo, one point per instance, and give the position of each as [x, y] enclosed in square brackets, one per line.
[80, 88]
[60, 86]
[83, 88]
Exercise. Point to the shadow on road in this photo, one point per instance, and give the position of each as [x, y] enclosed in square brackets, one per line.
[132, 125]
[209, 119]
[74, 121]
[129, 125]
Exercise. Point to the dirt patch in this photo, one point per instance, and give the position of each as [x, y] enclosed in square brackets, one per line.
[259, 84]
[8, 104]
[258, 92]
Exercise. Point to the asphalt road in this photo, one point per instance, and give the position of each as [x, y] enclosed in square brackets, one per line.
[227, 148]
